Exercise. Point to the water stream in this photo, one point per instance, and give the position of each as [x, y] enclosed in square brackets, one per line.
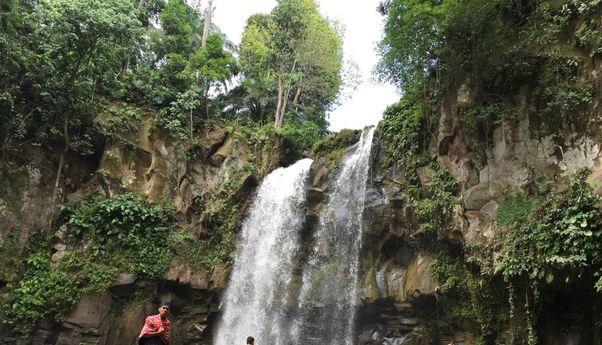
[256, 299]
[330, 292]
[261, 300]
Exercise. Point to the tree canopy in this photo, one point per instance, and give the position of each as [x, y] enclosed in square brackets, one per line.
[64, 61]
[293, 54]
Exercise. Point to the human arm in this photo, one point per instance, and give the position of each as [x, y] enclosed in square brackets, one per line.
[151, 328]
[165, 336]
[153, 333]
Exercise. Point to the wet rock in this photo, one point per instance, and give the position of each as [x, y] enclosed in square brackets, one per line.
[595, 178]
[124, 279]
[90, 312]
[394, 283]
[183, 273]
[214, 139]
[320, 177]
[477, 196]
[77, 196]
[60, 251]
[314, 197]
[490, 208]
[458, 219]
[224, 151]
[88, 323]
[425, 174]
[419, 279]
[374, 198]
[370, 286]
[480, 228]
[219, 277]
[60, 235]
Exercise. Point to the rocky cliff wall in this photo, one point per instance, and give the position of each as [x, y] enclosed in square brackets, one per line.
[427, 287]
[223, 163]
[432, 242]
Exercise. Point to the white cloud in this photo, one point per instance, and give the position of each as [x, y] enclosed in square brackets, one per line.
[363, 28]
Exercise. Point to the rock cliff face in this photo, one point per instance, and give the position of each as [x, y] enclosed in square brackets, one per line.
[403, 300]
[151, 164]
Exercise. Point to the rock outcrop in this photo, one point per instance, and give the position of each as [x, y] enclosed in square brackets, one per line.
[151, 164]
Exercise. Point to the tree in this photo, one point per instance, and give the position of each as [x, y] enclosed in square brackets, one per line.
[293, 49]
[160, 74]
[213, 66]
[425, 39]
[180, 28]
[207, 22]
[83, 48]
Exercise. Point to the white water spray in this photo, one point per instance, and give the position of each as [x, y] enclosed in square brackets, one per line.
[257, 299]
[261, 300]
[330, 294]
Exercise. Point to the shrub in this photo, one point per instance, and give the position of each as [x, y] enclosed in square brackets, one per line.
[127, 234]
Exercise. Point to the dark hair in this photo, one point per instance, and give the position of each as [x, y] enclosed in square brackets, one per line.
[250, 340]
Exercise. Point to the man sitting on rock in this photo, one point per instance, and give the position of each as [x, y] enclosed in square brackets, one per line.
[156, 328]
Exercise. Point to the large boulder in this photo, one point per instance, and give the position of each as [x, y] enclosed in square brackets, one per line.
[222, 152]
[183, 273]
[419, 280]
[479, 195]
[88, 323]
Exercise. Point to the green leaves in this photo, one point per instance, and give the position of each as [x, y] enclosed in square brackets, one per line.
[516, 208]
[434, 47]
[404, 131]
[69, 57]
[562, 233]
[127, 223]
[295, 56]
[181, 27]
[125, 233]
[433, 205]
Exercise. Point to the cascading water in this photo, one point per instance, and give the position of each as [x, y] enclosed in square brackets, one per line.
[260, 300]
[257, 299]
[330, 293]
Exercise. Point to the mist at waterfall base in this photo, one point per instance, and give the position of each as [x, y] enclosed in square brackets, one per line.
[263, 298]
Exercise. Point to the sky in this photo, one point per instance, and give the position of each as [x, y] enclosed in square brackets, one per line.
[363, 29]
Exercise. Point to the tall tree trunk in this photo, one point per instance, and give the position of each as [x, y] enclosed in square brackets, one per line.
[283, 108]
[141, 4]
[208, 16]
[59, 170]
[283, 93]
[207, 102]
[297, 94]
[191, 128]
[279, 104]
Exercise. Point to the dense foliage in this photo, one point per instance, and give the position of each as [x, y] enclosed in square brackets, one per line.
[222, 208]
[332, 147]
[292, 55]
[553, 246]
[432, 47]
[74, 74]
[405, 132]
[63, 61]
[486, 61]
[63, 57]
[123, 233]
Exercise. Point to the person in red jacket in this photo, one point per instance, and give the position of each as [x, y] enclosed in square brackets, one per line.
[156, 329]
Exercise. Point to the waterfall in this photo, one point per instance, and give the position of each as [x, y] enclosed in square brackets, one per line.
[330, 293]
[257, 300]
[261, 299]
